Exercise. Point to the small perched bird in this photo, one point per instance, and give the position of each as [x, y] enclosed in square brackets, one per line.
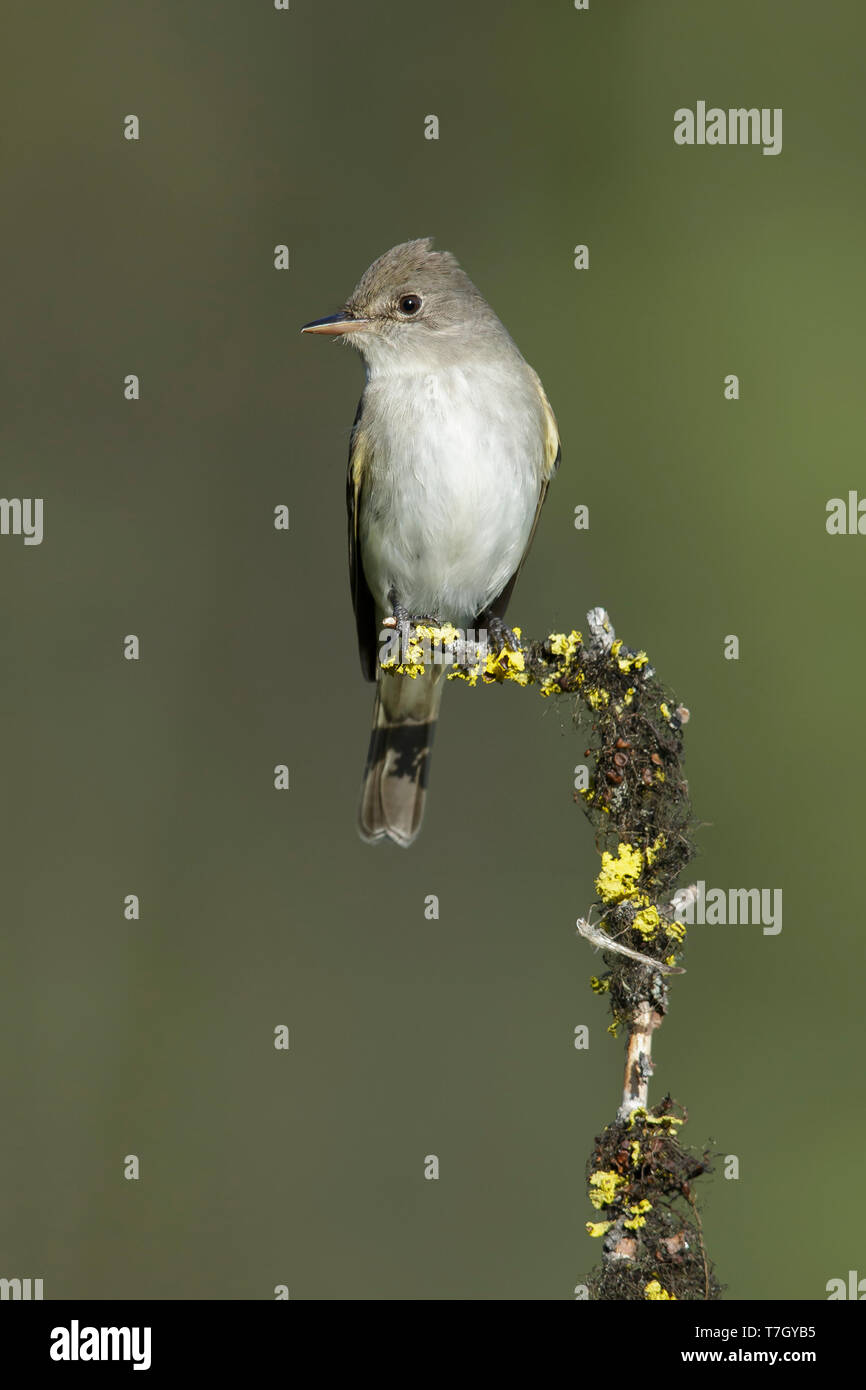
[452, 450]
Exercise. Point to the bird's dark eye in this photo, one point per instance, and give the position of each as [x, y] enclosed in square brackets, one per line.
[409, 304]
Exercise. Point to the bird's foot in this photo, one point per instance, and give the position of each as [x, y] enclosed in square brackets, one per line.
[400, 614]
[500, 634]
[425, 620]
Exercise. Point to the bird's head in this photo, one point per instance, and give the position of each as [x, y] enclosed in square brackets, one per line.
[414, 307]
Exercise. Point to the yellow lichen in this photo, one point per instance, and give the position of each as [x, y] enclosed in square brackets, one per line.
[655, 1293]
[598, 1228]
[618, 877]
[562, 645]
[404, 669]
[663, 1121]
[627, 663]
[647, 922]
[603, 1188]
[638, 1215]
[421, 649]
[596, 698]
[446, 635]
[506, 665]
[469, 676]
[652, 851]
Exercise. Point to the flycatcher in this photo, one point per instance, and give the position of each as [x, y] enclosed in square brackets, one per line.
[452, 450]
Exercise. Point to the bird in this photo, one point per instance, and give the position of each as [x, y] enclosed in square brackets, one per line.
[452, 450]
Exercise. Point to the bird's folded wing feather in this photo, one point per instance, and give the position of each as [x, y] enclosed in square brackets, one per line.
[362, 599]
[551, 455]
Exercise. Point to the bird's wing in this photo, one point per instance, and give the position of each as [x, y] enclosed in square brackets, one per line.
[552, 453]
[362, 599]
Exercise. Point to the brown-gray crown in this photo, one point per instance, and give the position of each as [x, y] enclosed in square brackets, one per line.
[414, 282]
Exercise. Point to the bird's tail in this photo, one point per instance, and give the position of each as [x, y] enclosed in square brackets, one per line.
[395, 779]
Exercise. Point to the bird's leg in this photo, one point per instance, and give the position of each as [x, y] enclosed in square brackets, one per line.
[400, 614]
[399, 611]
[499, 631]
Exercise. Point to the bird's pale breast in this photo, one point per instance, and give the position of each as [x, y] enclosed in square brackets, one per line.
[453, 475]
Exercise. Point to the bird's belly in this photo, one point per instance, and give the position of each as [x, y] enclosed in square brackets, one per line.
[446, 513]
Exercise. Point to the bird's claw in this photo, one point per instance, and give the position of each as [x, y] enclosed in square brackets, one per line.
[400, 615]
[501, 635]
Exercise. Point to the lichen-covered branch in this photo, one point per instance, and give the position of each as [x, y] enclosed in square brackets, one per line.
[634, 792]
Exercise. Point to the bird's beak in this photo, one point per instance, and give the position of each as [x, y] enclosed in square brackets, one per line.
[335, 324]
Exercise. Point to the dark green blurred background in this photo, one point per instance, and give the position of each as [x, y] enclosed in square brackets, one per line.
[411, 1037]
